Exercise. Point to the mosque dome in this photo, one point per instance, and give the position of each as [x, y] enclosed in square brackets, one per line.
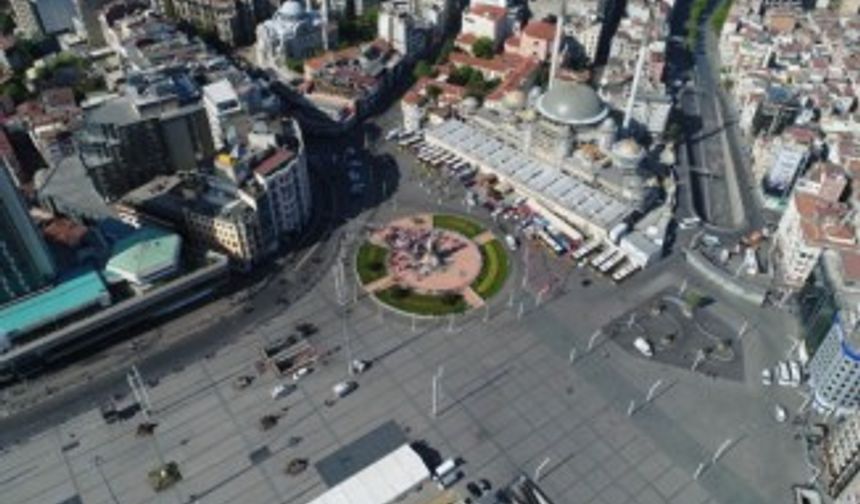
[470, 104]
[573, 104]
[628, 153]
[292, 9]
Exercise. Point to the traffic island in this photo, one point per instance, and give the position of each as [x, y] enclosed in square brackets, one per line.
[432, 265]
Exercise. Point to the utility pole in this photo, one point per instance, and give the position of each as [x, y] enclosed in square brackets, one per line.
[593, 339]
[651, 391]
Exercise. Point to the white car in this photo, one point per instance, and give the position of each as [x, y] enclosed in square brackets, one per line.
[766, 377]
[282, 390]
[780, 414]
[299, 373]
[393, 134]
[644, 346]
[344, 388]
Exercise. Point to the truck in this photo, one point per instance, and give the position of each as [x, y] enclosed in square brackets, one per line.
[446, 474]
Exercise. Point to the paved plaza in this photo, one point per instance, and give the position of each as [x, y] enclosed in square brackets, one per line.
[522, 383]
[511, 399]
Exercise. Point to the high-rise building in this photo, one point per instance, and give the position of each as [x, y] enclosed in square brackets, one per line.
[126, 141]
[25, 262]
[834, 371]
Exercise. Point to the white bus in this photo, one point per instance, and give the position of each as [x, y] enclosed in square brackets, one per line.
[612, 263]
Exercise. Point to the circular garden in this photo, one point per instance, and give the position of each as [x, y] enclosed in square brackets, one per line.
[432, 264]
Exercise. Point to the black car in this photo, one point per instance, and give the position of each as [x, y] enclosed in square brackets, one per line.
[109, 411]
[474, 489]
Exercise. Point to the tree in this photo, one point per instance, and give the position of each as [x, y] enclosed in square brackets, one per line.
[445, 51]
[484, 48]
[423, 69]
[433, 92]
[296, 64]
[7, 24]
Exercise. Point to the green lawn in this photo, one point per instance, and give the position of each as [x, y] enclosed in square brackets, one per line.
[422, 304]
[370, 262]
[494, 271]
[462, 225]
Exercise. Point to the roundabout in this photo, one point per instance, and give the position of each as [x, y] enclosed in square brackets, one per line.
[432, 264]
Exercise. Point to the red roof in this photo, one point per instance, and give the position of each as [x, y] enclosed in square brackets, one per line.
[65, 232]
[488, 11]
[274, 161]
[850, 266]
[466, 39]
[824, 222]
[540, 29]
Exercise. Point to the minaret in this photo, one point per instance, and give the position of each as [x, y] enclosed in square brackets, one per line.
[556, 44]
[625, 126]
[324, 9]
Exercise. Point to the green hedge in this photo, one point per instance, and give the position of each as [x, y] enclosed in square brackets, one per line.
[462, 225]
[371, 262]
[494, 270]
[422, 304]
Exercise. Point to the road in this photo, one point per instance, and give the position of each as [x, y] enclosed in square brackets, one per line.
[709, 159]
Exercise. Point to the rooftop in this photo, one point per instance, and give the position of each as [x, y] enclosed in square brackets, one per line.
[144, 254]
[540, 29]
[70, 296]
[274, 162]
[491, 12]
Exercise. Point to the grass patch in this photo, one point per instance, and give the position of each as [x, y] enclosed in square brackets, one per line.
[370, 262]
[494, 270]
[465, 227]
[422, 304]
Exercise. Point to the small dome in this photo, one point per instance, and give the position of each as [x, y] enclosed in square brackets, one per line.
[628, 153]
[628, 148]
[608, 126]
[515, 100]
[292, 9]
[470, 103]
[573, 104]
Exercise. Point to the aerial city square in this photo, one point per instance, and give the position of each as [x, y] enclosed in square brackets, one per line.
[429, 252]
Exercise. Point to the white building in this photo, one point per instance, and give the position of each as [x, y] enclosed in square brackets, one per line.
[284, 177]
[227, 119]
[400, 27]
[484, 21]
[814, 221]
[292, 32]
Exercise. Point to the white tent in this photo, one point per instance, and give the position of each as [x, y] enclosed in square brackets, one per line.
[382, 482]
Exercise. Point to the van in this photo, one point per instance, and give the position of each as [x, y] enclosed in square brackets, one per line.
[644, 346]
[783, 375]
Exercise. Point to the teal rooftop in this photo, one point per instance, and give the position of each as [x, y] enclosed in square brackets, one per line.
[68, 297]
[144, 256]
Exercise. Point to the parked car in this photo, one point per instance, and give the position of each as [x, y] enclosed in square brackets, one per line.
[344, 388]
[474, 489]
[282, 390]
[766, 377]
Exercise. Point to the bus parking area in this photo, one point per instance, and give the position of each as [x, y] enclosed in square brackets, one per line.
[522, 217]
